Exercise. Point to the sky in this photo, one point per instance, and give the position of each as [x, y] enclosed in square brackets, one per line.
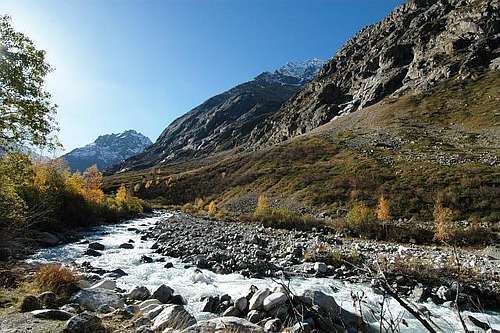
[139, 64]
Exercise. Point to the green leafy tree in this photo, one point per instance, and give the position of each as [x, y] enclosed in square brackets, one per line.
[26, 110]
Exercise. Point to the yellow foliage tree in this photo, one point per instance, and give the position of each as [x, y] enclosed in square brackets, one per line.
[262, 205]
[93, 183]
[443, 221]
[121, 195]
[383, 211]
[199, 203]
[212, 208]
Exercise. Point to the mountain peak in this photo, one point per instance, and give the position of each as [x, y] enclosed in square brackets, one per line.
[305, 70]
[107, 149]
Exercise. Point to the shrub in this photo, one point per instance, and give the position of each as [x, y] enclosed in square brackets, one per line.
[360, 219]
[53, 277]
[199, 204]
[286, 219]
[323, 252]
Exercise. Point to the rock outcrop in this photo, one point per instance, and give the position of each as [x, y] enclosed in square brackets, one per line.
[418, 45]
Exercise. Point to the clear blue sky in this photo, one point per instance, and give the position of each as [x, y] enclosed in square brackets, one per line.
[130, 64]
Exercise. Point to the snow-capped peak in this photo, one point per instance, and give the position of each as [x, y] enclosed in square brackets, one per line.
[305, 70]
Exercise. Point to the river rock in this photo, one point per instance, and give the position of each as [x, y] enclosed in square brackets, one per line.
[52, 314]
[97, 246]
[168, 265]
[30, 303]
[126, 246]
[258, 299]
[273, 325]
[325, 302]
[154, 312]
[255, 316]
[173, 316]
[48, 300]
[92, 253]
[92, 299]
[148, 302]
[320, 267]
[301, 328]
[231, 312]
[105, 284]
[210, 304]
[241, 304]
[84, 322]
[163, 293]
[274, 300]
[224, 324]
[146, 259]
[139, 293]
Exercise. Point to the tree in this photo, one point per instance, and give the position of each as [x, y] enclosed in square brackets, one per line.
[262, 205]
[93, 178]
[212, 208]
[121, 195]
[383, 211]
[26, 111]
[443, 221]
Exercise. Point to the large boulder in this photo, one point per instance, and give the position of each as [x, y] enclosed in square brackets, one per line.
[163, 294]
[274, 300]
[257, 299]
[84, 322]
[92, 299]
[224, 324]
[48, 300]
[52, 314]
[325, 302]
[97, 246]
[126, 246]
[30, 303]
[139, 293]
[105, 284]
[173, 316]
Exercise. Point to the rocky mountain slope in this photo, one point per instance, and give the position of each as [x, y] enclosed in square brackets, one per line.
[225, 121]
[418, 45]
[107, 150]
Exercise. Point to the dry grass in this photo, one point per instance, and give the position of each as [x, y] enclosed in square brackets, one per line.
[53, 277]
[323, 252]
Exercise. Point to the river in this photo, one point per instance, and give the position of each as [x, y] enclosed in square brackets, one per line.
[193, 285]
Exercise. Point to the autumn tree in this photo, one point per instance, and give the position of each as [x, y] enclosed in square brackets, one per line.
[212, 208]
[383, 210]
[26, 111]
[443, 222]
[262, 205]
[93, 184]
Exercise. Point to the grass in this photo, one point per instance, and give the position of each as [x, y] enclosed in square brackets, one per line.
[54, 277]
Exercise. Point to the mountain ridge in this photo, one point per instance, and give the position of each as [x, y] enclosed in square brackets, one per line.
[225, 121]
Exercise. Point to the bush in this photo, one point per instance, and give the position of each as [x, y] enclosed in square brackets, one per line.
[360, 219]
[323, 252]
[54, 277]
[285, 219]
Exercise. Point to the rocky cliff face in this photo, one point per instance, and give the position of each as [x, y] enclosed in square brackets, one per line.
[225, 121]
[107, 150]
[420, 44]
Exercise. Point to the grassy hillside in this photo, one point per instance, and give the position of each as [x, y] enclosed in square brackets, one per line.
[415, 149]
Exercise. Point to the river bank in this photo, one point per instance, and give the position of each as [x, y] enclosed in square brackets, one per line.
[153, 243]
